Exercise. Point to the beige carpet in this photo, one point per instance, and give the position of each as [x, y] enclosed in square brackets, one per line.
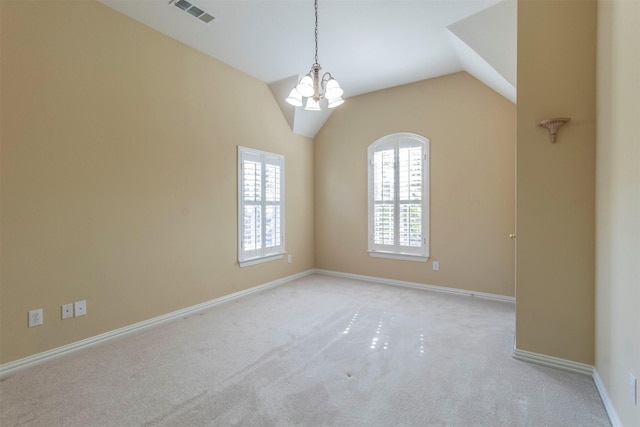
[320, 351]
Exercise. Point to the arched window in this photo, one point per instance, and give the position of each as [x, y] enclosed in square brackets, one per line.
[399, 197]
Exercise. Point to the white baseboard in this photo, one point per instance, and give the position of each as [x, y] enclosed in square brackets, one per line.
[608, 405]
[526, 356]
[422, 286]
[11, 367]
[8, 369]
[553, 362]
[577, 368]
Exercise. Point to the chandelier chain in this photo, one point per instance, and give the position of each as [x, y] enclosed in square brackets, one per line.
[316, 34]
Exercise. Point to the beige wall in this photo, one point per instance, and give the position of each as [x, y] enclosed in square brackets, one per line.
[618, 203]
[119, 173]
[118, 152]
[555, 182]
[472, 131]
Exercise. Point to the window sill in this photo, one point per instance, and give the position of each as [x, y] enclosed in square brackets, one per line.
[260, 260]
[404, 257]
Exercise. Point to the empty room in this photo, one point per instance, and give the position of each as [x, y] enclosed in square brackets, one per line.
[319, 213]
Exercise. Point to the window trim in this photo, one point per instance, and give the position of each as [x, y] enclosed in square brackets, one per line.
[423, 254]
[265, 255]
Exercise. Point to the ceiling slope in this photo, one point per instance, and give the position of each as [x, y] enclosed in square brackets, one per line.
[368, 45]
[486, 44]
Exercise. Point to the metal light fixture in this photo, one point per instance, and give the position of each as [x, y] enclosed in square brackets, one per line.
[314, 88]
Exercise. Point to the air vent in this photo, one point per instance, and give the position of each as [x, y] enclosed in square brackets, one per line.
[206, 18]
[194, 10]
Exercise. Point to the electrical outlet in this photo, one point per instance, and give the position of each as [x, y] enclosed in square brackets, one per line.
[35, 318]
[289, 258]
[81, 308]
[67, 311]
[436, 265]
[633, 387]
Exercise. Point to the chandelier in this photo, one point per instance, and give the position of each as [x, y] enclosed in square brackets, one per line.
[314, 88]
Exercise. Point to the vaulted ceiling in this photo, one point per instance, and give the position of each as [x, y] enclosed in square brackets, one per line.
[367, 45]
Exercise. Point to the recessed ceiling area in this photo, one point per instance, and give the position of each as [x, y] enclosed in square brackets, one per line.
[367, 45]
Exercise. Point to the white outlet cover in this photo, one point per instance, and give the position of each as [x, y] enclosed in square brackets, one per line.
[436, 265]
[67, 311]
[80, 308]
[35, 318]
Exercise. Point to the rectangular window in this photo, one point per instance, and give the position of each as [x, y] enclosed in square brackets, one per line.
[260, 206]
[398, 197]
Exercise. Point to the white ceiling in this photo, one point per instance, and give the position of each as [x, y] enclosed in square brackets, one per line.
[366, 45]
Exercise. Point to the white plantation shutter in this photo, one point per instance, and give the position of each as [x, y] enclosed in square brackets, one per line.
[410, 178]
[273, 207]
[398, 197]
[384, 176]
[260, 206]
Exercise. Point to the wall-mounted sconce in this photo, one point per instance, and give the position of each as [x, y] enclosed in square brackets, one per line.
[553, 125]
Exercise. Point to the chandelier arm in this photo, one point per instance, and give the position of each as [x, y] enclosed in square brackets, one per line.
[323, 82]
